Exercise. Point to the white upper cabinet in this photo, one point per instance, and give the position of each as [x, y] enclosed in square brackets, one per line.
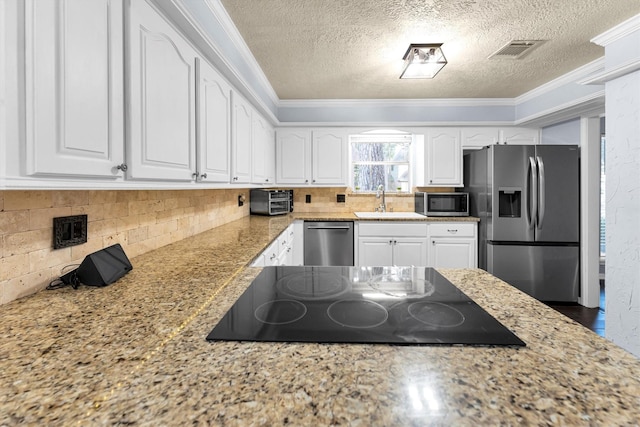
[74, 107]
[214, 125]
[293, 155]
[263, 151]
[479, 137]
[521, 136]
[329, 154]
[443, 157]
[241, 141]
[311, 158]
[161, 136]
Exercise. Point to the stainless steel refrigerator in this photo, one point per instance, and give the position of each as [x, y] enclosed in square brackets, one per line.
[528, 200]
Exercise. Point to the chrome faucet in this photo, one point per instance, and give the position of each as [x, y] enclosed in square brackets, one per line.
[383, 205]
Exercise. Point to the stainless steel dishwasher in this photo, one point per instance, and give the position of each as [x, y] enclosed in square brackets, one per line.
[328, 243]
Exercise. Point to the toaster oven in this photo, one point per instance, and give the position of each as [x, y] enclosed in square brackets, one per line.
[270, 202]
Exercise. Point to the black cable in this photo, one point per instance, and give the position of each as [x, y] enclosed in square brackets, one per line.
[70, 278]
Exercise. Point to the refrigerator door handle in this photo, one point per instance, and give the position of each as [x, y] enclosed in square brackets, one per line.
[542, 187]
[532, 193]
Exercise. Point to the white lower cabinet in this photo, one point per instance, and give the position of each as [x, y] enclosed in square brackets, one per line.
[436, 244]
[392, 243]
[282, 251]
[381, 251]
[453, 245]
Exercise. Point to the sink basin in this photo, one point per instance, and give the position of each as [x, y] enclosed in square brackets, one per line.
[390, 215]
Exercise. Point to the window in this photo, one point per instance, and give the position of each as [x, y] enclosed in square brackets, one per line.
[381, 160]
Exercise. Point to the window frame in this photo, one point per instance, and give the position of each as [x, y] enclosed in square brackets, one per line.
[396, 137]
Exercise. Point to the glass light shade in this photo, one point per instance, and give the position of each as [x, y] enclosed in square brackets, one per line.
[423, 61]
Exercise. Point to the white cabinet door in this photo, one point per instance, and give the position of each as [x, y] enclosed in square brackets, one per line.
[161, 139]
[473, 138]
[241, 145]
[443, 158]
[270, 156]
[453, 244]
[519, 136]
[409, 251]
[263, 151]
[375, 251]
[293, 154]
[214, 125]
[74, 88]
[452, 252]
[329, 153]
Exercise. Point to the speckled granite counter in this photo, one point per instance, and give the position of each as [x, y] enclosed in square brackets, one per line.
[135, 353]
[331, 216]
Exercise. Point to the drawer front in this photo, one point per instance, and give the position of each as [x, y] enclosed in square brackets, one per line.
[452, 229]
[391, 229]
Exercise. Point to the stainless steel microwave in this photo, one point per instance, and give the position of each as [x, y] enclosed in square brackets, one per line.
[442, 204]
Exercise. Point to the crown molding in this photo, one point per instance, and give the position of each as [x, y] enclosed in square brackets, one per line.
[393, 125]
[413, 103]
[619, 31]
[220, 13]
[608, 75]
[587, 105]
[571, 77]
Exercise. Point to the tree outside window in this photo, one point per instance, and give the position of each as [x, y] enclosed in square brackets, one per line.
[381, 160]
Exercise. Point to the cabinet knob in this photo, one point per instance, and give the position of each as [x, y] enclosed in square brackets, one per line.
[314, 180]
[306, 181]
[123, 167]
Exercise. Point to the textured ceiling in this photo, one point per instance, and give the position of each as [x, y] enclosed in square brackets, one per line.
[352, 49]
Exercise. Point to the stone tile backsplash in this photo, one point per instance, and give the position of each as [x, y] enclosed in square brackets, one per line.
[139, 220]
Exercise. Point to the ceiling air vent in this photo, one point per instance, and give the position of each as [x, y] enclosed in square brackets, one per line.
[516, 49]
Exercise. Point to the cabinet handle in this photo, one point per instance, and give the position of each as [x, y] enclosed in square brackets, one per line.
[452, 231]
[123, 167]
[203, 176]
[235, 178]
[272, 257]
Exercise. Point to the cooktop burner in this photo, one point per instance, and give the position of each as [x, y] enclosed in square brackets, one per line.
[394, 305]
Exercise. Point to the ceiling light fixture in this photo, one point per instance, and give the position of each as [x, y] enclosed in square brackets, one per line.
[423, 61]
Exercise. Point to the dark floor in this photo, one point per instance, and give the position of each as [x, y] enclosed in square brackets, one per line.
[592, 318]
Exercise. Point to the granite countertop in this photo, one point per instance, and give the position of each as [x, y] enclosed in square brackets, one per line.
[341, 216]
[135, 353]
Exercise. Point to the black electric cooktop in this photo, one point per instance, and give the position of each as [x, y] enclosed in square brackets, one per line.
[392, 305]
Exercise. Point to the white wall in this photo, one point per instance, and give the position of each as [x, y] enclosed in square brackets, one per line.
[622, 77]
[562, 133]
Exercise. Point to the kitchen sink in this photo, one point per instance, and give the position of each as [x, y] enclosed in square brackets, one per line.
[391, 215]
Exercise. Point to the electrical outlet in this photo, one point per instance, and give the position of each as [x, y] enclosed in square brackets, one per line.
[340, 198]
[307, 198]
[69, 231]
